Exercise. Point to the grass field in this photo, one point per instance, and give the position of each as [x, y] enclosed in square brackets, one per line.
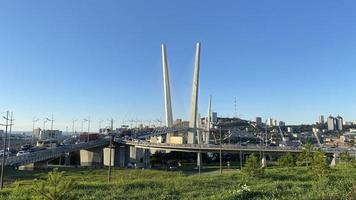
[276, 183]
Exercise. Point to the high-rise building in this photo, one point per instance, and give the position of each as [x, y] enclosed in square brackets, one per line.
[335, 123]
[331, 123]
[281, 123]
[275, 122]
[321, 119]
[339, 123]
[270, 122]
[214, 117]
[259, 121]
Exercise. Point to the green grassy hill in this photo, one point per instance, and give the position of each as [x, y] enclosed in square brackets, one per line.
[276, 183]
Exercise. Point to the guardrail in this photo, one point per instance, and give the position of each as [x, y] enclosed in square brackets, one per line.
[52, 153]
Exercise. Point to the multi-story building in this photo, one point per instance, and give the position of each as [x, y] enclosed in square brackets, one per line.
[259, 121]
[321, 119]
[335, 123]
[214, 117]
[290, 129]
[281, 123]
[275, 122]
[50, 134]
[331, 123]
[270, 122]
[36, 133]
[339, 123]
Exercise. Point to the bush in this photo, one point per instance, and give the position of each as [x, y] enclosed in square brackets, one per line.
[319, 164]
[253, 167]
[56, 187]
[286, 160]
[306, 157]
[345, 157]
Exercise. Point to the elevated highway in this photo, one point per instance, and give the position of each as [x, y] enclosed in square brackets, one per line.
[53, 153]
[225, 148]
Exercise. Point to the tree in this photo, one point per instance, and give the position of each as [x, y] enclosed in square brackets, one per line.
[306, 157]
[253, 166]
[319, 164]
[56, 187]
[287, 160]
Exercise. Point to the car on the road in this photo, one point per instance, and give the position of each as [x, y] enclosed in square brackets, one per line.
[2, 153]
[21, 153]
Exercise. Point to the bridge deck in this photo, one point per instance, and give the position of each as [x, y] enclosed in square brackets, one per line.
[52, 153]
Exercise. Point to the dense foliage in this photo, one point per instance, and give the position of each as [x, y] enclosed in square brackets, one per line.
[286, 160]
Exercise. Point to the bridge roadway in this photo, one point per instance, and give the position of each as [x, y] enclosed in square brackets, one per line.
[224, 147]
[48, 154]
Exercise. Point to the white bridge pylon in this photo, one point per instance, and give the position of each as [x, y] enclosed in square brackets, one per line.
[193, 123]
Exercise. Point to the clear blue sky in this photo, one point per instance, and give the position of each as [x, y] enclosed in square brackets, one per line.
[290, 60]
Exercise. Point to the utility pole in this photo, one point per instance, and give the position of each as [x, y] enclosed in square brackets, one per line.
[240, 150]
[110, 148]
[44, 123]
[88, 129]
[11, 120]
[235, 105]
[4, 150]
[100, 121]
[51, 120]
[220, 150]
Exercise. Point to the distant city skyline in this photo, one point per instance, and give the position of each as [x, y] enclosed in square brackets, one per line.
[290, 61]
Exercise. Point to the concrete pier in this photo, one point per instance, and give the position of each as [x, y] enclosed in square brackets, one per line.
[91, 157]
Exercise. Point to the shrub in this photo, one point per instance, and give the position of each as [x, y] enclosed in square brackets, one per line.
[319, 164]
[345, 157]
[306, 157]
[253, 166]
[56, 187]
[286, 160]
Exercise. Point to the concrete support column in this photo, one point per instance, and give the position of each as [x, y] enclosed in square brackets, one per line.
[67, 157]
[335, 160]
[263, 161]
[199, 160]
[115, 156]
[91, 157]
[147, 158]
